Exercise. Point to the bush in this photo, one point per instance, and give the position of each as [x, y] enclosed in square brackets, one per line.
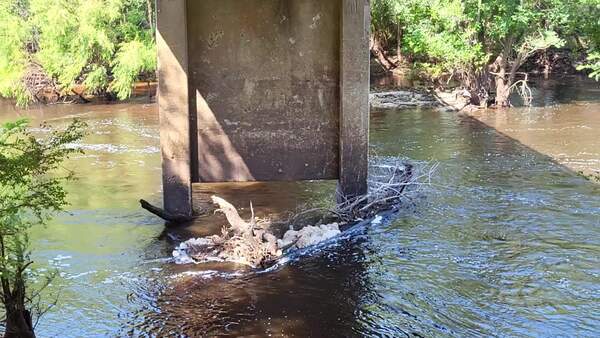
[592, 65]
[31, 190]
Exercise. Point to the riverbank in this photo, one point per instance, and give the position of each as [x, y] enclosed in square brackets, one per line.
[561, 123]
[419, 97]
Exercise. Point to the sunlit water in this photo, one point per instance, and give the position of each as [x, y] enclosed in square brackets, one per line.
[505, 242]
[563, 123]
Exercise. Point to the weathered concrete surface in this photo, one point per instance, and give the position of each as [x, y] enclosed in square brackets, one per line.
[262, 90]
[265, 79]
[174, 106]
[354, 101]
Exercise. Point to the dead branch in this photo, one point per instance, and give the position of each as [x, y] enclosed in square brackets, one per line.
[238, 225]
[169, 217]
[523, 88]
[253, 243]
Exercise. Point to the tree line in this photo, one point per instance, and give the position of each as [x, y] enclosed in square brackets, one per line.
[55, 48]
[483, 44]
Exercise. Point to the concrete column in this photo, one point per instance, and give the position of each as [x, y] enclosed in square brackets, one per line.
[173, 105]
[354, 97]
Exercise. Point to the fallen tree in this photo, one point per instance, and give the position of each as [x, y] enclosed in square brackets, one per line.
[378, 51]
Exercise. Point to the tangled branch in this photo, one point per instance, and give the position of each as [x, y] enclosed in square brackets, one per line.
[253, 242]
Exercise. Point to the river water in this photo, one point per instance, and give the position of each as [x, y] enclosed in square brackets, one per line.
[504, 242]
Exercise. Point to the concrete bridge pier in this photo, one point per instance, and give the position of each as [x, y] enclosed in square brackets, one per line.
[262, 90]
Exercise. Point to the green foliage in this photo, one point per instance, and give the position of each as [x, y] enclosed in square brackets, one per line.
[13, 58]
[97, 79]
[520, 25]
[76, 42]
[449, 36]
[133, 58]
[439, 37]
[592, 65]
[383, 17]
[31, 190]
[433, 33]
[584, 23]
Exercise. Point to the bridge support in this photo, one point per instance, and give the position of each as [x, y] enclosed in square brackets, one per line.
[354, 97]
[262, 90]
[173, 106]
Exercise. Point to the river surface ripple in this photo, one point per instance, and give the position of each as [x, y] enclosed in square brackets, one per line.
[505, 242]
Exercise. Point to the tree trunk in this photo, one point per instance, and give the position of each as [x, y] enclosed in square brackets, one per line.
[503, 82]
[502, 93]
[173, 218]
[502, 89]
[476, 88]
[150, 11]
[379, 52]
[19, 324]
[399, 45]
[238, 225]
[547, 66]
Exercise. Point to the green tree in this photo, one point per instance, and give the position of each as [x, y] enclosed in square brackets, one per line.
[14, 32]
[483, 43]
[31, 190]
[383, 14]
[511, 31]
[592, 65]
[586, 31]
[104, 45]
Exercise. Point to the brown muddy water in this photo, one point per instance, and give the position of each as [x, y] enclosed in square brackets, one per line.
[505, 242]
[562, 126]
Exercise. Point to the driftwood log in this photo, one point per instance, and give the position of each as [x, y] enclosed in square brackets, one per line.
[236, 223]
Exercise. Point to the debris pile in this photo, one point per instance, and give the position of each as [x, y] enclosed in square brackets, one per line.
[253, 243]
[307, 236]
[402, 99]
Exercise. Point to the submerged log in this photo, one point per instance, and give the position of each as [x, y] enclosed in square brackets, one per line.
[167, 216]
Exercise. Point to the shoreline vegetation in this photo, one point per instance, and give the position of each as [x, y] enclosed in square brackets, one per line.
[469, 55]
[57, 52]
[488, 49]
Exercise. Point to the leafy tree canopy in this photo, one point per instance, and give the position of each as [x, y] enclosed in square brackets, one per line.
[104, 45]
[466, 37]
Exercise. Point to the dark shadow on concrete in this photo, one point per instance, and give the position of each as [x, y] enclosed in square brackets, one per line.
[265, 82]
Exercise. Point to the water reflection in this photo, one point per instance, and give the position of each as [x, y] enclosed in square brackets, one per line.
[491, 254]
[294, 301]
[563, 123]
